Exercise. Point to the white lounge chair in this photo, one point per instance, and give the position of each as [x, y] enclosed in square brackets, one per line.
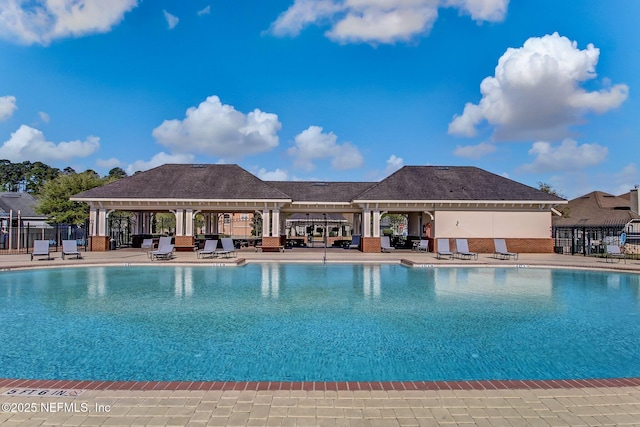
[164, 252]
[209, 249]
[424, 246]
[462, 250]
[228, 249]
[385, 244]
[501, 250]
[614, 252]
[163, 241]
[146, 244]
[70, 247]
[443, 249]
[41, 248]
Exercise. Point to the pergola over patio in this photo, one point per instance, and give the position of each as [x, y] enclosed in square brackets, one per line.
[440, 202]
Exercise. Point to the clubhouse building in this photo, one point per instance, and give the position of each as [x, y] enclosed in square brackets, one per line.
[438, 201]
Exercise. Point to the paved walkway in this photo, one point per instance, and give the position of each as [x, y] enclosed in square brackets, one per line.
[556, 405]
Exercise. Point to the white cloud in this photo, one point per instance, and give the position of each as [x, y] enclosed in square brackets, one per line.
[275, 175]
[378, 21]
[172, 20]
[218, 129]
[536, 93]
[44, 117]
[568, 156]
[393, 164]
[108, 163]
[205, 11]
[7, 106]
[157, 160]
[28, 143]
[624, 180]
[42, 21]
[312, 144]
[474, 151]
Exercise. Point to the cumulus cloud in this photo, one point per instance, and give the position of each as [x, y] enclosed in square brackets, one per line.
[274, 175]
[108, 163]
[536, 94]
[158, 160]
[567, 156]
[218, 129]
[474, 151]
[7, 107]
[205, 11]
[312, 144]
[28, 143]
[378, 21]
[172, 20]
[42, 21]
[393, 164]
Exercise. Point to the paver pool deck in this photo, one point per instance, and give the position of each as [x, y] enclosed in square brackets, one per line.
[490, 403]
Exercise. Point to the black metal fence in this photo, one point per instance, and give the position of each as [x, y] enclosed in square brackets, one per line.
[19, 240]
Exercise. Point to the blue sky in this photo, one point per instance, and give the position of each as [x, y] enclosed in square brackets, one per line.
[327, 89]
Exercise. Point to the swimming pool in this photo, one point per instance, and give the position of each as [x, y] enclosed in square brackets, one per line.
[313, 322]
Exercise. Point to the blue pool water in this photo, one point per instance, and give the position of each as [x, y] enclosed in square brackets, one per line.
[318, 323]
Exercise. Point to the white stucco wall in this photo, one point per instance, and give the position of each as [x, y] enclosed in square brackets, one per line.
[490, 224]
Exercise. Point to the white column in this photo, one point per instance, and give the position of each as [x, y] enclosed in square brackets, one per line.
[102, 222]
[215, 225]
[275, 222]
[265, 223]
[188, 222]
[376, 223]
[366, 223]
[179, 222]
[93, 222]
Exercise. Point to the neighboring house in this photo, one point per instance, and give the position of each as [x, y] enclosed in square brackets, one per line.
[591, 221]
[23, 204]
[439, 202]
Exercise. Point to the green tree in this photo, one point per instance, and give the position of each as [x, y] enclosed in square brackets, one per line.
[547, 188]
[115, 174]
[54, 197]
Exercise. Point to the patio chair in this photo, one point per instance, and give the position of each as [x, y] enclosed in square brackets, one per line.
[443, 249]
[163, 241]
[41, 248]
[163, 253]
[146, 244]
[355, 242]
[228, 248]
[70, 247]
[424, 246]
[462, 250]
[501, 251]
[614, 252]
[209, 249]
[385, 244]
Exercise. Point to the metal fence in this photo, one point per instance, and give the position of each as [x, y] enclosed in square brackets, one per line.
[19, 240]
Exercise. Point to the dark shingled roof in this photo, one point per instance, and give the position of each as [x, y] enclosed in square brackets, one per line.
[23, 202]
[174, 181]
[451, 183]
[595, 209]
[332, 192]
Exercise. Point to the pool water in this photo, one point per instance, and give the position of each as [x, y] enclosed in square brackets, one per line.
[313, 322]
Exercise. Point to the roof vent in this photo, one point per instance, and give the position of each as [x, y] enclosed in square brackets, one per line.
[442, 168]
[199, 166]
[320, 184]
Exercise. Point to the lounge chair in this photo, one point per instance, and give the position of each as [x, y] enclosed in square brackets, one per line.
[462, 250]
[209, 249]
[443, 249]
[41, 248]
[146, 244]
[501, 250]
[424, 246]
[164, 252]
[355, 242]
[70, 247]
[228, 248]
[614, 252]
[385, 244]
[163, 241]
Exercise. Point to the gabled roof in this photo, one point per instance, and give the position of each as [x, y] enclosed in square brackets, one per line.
[23, 202]
[443, 183]
[331, 191]
[199, 182]
[595, 209]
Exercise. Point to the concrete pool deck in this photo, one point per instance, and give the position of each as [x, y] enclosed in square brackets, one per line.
[571, 403]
